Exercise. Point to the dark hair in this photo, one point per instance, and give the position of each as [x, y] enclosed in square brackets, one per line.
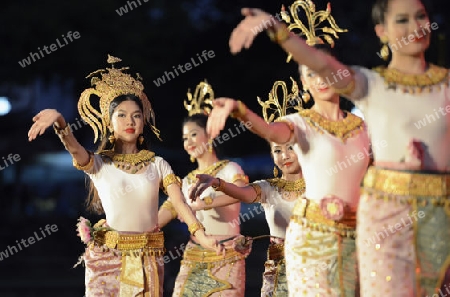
[93, 202]
[380, 8]
[200, 120]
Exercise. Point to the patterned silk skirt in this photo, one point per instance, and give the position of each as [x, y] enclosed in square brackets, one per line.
[404, 234]
[125, 265]
[321, 253]
[204, 273]
[274, 276]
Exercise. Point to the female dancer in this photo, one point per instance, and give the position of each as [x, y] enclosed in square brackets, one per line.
[203, 273]
[402, 246]
[277, 195]
[332, 147]
[123, 251]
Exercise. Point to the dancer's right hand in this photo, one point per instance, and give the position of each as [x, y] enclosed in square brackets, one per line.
[204, 181]
[209, 242]
[42, 121]
[222, 108]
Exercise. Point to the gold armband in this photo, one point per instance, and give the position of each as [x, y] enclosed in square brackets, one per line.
[240, 111]
[347, 90]
[194, 227]
[208, 200]
[170, 179]
[169, 206]
[61, 132]
[280, 34]
[240, 176]
[257, 189]
[220, 186]
[85, 167]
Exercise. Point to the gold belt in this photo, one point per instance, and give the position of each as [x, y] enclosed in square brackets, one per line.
[202, 258]
[130, 242]
[275, 252]
[310, 210]
[407, 184]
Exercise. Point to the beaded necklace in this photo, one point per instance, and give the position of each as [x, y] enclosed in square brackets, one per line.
[130, 162]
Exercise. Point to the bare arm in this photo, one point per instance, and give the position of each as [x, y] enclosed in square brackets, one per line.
[245, 194]
[279, 132]
[219, 201]
[49, 117]
[322, 63]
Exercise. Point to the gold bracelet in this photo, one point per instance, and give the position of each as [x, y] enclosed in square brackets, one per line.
[194, 227]
[349, 88]
[61, 132]
[85, 167]
[280, 34]
[240, 111]
[220, 186]
[169, 206]
[257, 189]
[208, 201]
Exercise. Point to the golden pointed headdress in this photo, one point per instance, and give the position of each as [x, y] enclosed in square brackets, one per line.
[273, 108]
[113, 82]
[315, 18]
[201, 100]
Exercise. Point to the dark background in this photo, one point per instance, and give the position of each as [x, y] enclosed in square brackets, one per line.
[43, 188]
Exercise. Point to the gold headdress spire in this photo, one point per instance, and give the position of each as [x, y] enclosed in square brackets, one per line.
[201, 101]
[273, 109]
[314, 19]
[112, 83]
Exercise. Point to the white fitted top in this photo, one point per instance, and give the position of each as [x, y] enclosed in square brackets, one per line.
[276, 209]
[219, 220]
[130, 201]
[394, 118]
[329, 165]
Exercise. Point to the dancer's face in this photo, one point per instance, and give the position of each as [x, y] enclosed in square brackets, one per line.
[285, 157]
[407, 27]
[195, 139]
[127, 121]
[317, 86]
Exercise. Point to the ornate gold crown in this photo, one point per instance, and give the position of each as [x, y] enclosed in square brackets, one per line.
[201, 101]
[273, 108]
[314, 19]
[113, 83]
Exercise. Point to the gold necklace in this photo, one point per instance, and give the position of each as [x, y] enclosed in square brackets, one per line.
[435, 76]
[130, 162]
[288, 185]
[210, 170]
[350, 126]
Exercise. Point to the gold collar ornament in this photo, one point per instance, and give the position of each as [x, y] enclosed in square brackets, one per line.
[210, 170]
[274, 109]
[130, 162]
[434, 77]
[350, 126]
[201, 100]
[314, 19]
[113, 82]
[288, 185]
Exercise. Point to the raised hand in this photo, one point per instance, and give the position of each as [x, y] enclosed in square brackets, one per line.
[222, 108]
[203, 182]
[42, 121]
[255, 21]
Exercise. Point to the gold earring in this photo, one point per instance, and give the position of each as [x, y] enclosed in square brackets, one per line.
[384, 52]
[210, 146]
[111, 138]
[141, 139]
[192, 159]
[306, 96]
[275, 171]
